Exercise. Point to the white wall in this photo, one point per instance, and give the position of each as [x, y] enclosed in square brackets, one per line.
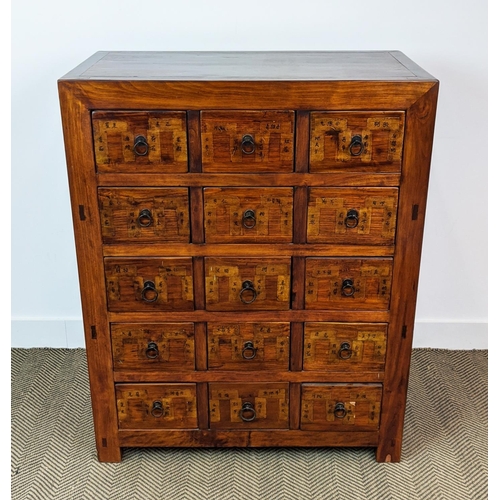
[447, 38]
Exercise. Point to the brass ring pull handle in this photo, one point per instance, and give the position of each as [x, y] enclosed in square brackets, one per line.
[348, 288]
[157, 410]
[249, 351]
[249, 220]
[152, 351]
[247, 412]
[356, 147]
[339, 411]
[345, 351]
[247, 144]
[141, 147]
[352, 219]
[149, 293]
[247, 286]
[145, 218]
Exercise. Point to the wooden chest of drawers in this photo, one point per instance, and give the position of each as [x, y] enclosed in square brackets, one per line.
[248, 230]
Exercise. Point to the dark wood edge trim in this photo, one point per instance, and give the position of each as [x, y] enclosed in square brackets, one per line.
[296, 346]
[200, 339]
[77, 130]
[298, 282]
[202, 406]
[193, 179]
[339, 95]
[147, 250]
[412, 66]
[196, 215]
[420, 122]
[318, 376]
[302, 141]
[219, 438]
[290, 315]
[295, 405]
[199, 282]
[79, 70]
[300, 202]
[194, 141]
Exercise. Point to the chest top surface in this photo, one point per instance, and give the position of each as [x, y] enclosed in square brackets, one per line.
[250, 66]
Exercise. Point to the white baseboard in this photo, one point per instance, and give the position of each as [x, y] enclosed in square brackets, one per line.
[38, 332]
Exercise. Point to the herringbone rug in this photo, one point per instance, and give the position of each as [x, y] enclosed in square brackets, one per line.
[444, 451]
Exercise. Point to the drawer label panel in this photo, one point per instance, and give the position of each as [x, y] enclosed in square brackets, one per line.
[154, 406]
[352, 216]
[344, 346]
[356, 141]
[149, 283]
[144, 215]
[247, 141]
[248, 406]
[248, 215]
[247, 284]
[153, 346]
[248, 346]
[348, 283]
[132, 141]
[345, 407]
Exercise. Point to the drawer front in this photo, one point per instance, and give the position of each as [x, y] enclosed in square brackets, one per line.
[344, 346]
[247, 284]
[156, 406]
[248, 346]
[131, 141]
[248, 406]
[144, 215]
[248, 215]
[153, 346]
[356, 141]
[346, 407]
[352, 216]
[247, 141]
[348, 283]
[149, 284]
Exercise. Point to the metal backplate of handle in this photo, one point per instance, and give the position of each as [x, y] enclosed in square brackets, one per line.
[248, 294]
[356, 146]
[149, 293]
[249, 351]
[141, 147]
[247, 412]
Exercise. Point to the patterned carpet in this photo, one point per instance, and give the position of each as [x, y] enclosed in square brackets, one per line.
[444, 453]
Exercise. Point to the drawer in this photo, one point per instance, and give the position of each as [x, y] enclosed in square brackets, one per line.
[247, 284]
[248, 215]
[144, 215]
[142, 142]
[354, 216]
[155, 406]
[153, 346]
[344, 346]
[248, 346]
[356, 141]
[346, 407]
[148, 284]
[248, 406]
[247, 141]
[348, 283]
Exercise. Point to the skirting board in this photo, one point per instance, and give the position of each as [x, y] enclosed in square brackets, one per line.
[68, 333]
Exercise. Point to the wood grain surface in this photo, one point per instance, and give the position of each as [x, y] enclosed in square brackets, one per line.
[248, 346]
[144, 215]
[292, 189]
[345, 406]
[119, 148]
[153, 346]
